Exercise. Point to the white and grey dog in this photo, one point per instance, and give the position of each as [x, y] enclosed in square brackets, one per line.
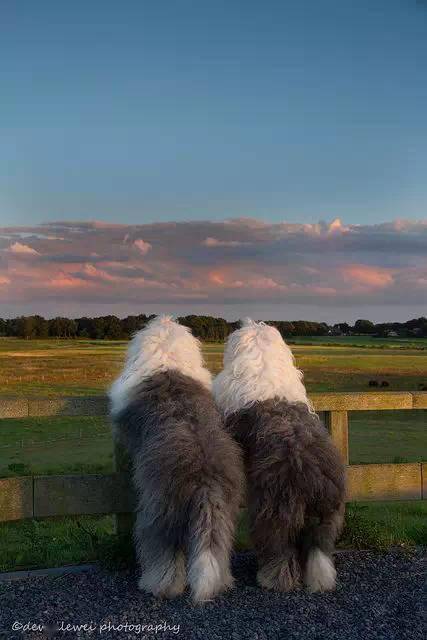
[187, 470]
[295, 474]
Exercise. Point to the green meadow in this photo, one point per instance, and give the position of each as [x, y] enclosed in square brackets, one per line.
[87, 367]
[57, 445]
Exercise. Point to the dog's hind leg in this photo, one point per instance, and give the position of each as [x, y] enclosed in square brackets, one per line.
[163, 575]
[280, 572]
[163, 571]
[319, 570]
[277, 554]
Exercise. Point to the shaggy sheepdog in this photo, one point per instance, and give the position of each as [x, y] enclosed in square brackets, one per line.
[187, 470]
[295, 475]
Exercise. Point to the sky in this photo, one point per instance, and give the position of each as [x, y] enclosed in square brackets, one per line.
[190, 114]
[326, 271]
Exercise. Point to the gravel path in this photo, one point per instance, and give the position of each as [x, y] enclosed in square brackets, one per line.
[378, 596]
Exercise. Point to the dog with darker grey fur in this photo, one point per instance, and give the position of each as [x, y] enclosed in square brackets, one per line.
[187, 470]
[295, 475]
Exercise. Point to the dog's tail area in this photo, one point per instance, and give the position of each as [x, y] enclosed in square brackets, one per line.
[276, 528]
[209, 544]
[319, 542]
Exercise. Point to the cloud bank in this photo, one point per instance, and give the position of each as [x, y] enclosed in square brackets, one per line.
[223, 266]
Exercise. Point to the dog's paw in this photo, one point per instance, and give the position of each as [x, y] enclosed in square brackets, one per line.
[320, 573]
[280, 576]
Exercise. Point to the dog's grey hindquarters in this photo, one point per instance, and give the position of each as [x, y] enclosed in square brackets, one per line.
[188, 477]
[296, 487]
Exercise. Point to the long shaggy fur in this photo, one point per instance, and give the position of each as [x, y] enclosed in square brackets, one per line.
[295, 475]
[187, 470]
[258, 365]
[163, 345]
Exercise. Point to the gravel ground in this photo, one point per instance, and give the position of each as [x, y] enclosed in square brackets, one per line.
[378, 596]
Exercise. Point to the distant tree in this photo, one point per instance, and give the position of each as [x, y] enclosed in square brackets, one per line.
[286, 329]
[12, 325]
[364, 326]
[85, 327]
[417, 327]
[344, 327]
[132, 324]
[305, 328]
[112, 328]
[341, 328]
[207, 327]
[62, 328]
[98, 328]
[41, 327]
[27, 327]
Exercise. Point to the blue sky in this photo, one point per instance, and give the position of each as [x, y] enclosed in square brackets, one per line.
[137, 112]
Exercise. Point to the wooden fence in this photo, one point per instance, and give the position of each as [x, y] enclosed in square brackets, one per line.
[48, 496]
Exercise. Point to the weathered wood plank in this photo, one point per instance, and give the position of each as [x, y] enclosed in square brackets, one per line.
[355, 401]
[384, 482]
[122, 464]
[13, 408]
[424, 480]
[16, 498]
[101, 494]
[419, 399]
[98, 405]
[337, 424]
[78, 406]
[90, 494]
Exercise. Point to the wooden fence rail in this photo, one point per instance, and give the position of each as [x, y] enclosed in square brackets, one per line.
[50, 496]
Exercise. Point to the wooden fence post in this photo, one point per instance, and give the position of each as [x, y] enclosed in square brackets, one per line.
[123, 521]
[337, 424]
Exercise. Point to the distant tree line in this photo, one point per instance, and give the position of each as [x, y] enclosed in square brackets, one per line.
[206, 328]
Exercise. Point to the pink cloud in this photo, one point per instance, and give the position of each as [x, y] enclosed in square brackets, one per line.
[19, 248]
[142, 246]
[214, 242]
[237, 262]
[336, 226]
[323, 291]
[374, 277]
[67, 281]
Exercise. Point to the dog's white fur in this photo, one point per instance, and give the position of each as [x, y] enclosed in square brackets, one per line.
[258, 366]
[205, 576]
[163, 345]
[320, 573]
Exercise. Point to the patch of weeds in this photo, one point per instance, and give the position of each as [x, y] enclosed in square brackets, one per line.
[399, 460]
[19, 469]
[116, 552]
[361, 531]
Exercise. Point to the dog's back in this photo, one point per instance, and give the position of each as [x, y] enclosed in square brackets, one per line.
[187, 472]
[296, 484]
[177, 444]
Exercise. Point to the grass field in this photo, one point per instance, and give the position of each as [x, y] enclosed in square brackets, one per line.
[86, 367]
[73, 445]
[362, 341]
